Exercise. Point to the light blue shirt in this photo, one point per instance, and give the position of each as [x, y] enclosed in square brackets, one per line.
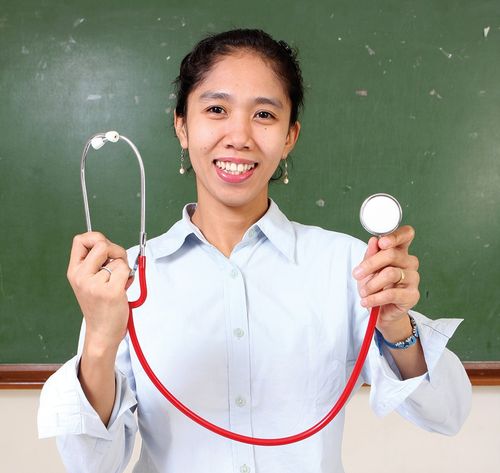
[260, 343]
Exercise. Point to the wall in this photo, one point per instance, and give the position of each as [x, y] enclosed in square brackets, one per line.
[387, 445]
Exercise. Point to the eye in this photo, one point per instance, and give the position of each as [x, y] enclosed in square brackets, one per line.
[264, 115]
[216, 109]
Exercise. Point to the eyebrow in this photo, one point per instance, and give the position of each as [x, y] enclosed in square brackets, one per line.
[211, 95]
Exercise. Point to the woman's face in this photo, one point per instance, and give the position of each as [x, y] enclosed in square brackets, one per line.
[237, 129]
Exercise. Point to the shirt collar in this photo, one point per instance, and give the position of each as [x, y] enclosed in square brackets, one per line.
[278, 230]
[273, 224]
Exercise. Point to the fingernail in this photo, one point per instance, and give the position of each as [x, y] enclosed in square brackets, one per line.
[363, 302]
[363, 292]
[384, 242]
[358, 272]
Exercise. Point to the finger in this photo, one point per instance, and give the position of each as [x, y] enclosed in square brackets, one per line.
[402, 297]
[99, 255]
[120, 275]
[103, 275]
[112, 271]
[391, 257]
[401, 238]
[82, 244]
[105, 271]
[129, 282]
[371, 250]
[390, 277]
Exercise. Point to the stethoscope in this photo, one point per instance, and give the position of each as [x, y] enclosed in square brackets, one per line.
[380, 214]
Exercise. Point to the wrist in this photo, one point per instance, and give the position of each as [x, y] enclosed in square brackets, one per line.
[96, 366]
[402, 343]
[96, 373]
[97, 350]
[396, 330]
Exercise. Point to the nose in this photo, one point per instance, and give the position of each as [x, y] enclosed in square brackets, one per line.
[238, 133]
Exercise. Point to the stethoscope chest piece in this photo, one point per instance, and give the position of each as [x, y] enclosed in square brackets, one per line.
[380, 214]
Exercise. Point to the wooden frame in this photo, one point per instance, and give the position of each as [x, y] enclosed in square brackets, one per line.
[33, 376]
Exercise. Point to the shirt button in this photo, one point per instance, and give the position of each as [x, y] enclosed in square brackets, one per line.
[234, 273]
[238, 332]
[244, 469]
[240, 402]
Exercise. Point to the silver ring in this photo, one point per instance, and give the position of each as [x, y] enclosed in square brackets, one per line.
[107, 269]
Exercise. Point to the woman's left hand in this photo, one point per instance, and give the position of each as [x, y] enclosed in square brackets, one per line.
[388, 276]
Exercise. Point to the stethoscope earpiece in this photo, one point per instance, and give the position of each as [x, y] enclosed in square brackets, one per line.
[112, 136]
[97, 142]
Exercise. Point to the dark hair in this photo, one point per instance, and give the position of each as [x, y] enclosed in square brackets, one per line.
[282, 58]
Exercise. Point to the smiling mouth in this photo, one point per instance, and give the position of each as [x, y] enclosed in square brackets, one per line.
[234, 168]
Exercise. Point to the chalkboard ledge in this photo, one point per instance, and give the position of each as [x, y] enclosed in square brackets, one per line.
[33, 376]
[28, 376]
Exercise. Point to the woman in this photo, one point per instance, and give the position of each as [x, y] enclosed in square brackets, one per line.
[252, 320]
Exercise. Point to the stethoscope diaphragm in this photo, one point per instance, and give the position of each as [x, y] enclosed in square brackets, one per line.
[380, 214]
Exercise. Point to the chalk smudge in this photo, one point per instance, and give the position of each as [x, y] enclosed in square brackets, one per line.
[371, 52]
[448, 55]
[434, 93]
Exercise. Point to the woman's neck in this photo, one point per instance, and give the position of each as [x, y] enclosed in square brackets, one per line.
[224, 226]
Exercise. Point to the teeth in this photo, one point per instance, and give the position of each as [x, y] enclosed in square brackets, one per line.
[234, 168]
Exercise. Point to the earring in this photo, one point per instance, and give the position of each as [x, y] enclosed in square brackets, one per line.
[285, 178]
[182, 170]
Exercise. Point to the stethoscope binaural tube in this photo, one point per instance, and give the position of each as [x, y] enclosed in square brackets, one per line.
[97, 141]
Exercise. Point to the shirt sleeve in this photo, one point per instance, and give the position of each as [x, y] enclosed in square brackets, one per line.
[84, 442]
[437, 401]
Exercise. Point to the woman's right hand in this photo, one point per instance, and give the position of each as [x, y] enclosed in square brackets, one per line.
[101, 295]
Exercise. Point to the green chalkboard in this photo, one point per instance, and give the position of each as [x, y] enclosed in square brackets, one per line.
[402, 97]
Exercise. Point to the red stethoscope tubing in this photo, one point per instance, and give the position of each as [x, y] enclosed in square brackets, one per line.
[227, 433]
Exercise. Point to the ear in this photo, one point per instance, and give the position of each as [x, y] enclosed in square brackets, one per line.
[291, 138]
[181, 130]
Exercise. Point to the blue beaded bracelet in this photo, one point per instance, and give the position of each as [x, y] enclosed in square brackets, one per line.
[401, 345]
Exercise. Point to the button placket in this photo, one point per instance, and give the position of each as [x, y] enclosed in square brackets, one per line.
[238, 365]
[238, 352]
